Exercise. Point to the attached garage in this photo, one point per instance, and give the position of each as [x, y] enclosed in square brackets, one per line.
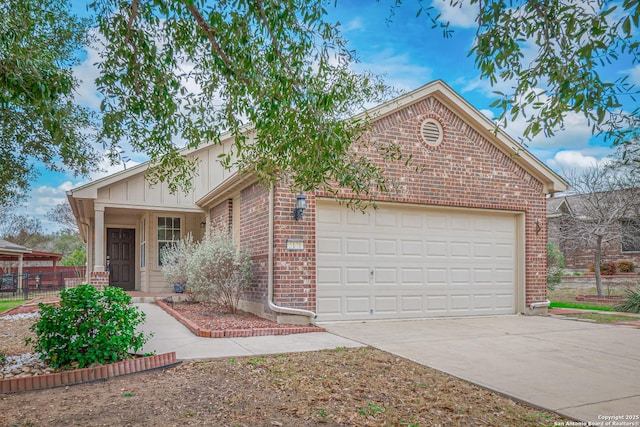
[406, 261]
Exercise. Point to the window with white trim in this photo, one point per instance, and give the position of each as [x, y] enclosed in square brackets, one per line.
[168, 233]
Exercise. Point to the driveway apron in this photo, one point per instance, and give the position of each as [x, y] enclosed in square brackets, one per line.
[584, 371]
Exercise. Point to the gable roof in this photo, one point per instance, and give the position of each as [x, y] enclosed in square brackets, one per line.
[553, 183]
[581, 205]
[556, 206]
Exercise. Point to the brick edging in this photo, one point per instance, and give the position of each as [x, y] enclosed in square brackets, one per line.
[235, 333]
[605, 300]
[78, 376]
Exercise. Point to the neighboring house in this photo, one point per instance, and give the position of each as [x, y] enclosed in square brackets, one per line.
[463, 235]
[623, 244]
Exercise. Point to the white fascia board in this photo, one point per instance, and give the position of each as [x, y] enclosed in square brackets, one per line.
[232, 184]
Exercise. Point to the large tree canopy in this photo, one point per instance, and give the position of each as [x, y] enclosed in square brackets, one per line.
[554, 54]
[192, 70]
[179, 73]
[38, 119]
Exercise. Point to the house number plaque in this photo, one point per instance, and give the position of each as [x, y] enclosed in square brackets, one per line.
[295, 244]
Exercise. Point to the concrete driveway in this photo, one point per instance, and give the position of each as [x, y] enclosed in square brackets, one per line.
[580, 370]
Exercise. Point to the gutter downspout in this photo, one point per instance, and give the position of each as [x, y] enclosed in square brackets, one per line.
[272, 305]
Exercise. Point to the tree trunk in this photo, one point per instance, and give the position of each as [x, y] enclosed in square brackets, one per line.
[596, 266]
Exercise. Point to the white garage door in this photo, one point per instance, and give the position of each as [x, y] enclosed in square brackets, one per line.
[412, 262]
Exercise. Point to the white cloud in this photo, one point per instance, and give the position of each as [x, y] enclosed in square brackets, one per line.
[462, 15]
[355, 24]
[575, 134]
[571, 160]
[43, 198]
[488, 114]
[400, 71]
[86, 72]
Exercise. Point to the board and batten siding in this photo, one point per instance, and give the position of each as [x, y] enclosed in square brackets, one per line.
[135, 190]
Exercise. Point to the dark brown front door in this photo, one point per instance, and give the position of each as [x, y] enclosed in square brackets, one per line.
[121, 257]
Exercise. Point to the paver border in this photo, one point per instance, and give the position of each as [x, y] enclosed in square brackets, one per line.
[85, 375]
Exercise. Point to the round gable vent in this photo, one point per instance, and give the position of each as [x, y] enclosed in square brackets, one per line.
[431, 132]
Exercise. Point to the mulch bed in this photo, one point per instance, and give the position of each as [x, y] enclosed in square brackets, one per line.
[211, 320]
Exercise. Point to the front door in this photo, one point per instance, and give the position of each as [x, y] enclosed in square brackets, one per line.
[121, 257]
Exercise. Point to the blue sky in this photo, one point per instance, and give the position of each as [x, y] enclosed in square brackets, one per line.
[410, 54]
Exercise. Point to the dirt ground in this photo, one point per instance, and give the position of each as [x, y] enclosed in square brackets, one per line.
[361, 387]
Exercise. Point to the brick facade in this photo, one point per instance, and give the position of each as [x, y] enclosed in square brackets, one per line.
[220, 216]
[99, 279]
[254, 234]
[294, 270]
[466, 170]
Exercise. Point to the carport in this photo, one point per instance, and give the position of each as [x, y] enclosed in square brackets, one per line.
[13, 252]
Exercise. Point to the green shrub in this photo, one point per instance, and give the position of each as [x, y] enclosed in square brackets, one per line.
[625, 266]
[90, 327]
[555, 265]
[631, 303]
[219, 270]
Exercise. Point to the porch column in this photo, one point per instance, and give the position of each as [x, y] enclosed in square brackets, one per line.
[90, 243]
[20, 258]
[98, 233]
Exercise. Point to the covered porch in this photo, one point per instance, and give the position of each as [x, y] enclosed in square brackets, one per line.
[124, 233]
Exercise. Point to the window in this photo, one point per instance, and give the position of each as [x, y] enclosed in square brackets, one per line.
[143, 244]
[630, 236]
[168, 233]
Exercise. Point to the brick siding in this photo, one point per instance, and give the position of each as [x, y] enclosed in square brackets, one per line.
[220, 216]
[294, 270]
[254, 234]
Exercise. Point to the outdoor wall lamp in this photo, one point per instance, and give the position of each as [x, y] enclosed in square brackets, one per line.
[301, 205]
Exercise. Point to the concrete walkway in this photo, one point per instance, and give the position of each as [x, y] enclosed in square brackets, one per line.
[170, 335]
[580, 370]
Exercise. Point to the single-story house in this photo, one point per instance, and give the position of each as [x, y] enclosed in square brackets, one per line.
[622, 237]
[463, 234]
